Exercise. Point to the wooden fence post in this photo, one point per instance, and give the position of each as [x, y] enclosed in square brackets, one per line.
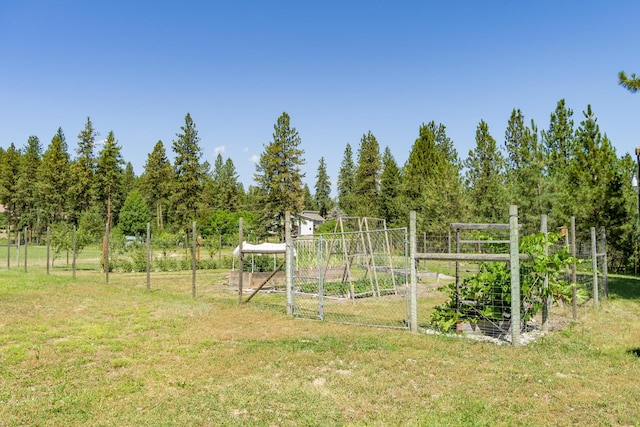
[605, 267]
[26, 246]
[193, 259]
[75, 242]
[148, 256]
[413, 273]
[546, 304]
[594, 264]
[48, 247]
[515, 275]
[574, 272]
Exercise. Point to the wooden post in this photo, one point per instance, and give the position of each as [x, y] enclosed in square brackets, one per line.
[240, 260]
[594, 264]
[148, 256]
[48, 247]
[605, 268]
[194, 263]
[106, 254]
[546, 304]
[26, 246]
[457, 270]
[413, 321]
[515, 275]
[74, 244]
[574, 272]
[288, 262]
[8, 243]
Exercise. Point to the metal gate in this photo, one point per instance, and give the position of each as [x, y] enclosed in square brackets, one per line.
[358, 277]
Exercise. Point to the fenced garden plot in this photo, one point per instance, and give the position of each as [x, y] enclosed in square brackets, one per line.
[355, 277]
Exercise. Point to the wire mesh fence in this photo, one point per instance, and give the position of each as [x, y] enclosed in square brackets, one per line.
[355, 277]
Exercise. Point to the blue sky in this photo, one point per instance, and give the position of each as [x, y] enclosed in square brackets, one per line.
[339, 68]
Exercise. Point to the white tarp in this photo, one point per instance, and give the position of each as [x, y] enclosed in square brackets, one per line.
[262, 248]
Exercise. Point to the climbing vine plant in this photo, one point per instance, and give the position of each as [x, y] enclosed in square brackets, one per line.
[487, 294]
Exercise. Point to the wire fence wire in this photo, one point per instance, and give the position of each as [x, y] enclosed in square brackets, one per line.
[353, 277]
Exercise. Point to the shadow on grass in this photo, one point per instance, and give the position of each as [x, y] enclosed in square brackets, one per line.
[634, 352]
[624, 287]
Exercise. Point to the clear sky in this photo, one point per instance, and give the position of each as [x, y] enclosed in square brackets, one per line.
[338, 68]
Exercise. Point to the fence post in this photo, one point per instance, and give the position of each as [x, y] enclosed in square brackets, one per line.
[594, 262]
[546, 304]
[289, 262]
[240, 259]
[26, 245]
[48, 247]
[8, 243]
[574, 272]
[193, 259]
[106, 253]
[605, 268]
[74, 244]
[515, 275]
[148, 256]
[413, 273]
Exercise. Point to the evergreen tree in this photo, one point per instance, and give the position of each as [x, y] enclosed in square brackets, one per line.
[279, 176]
[157, 181]
[484, 178]
[632, 83]
[224, 190]
[525, 168]
[129, 180]
[367, 179]
[432, 184]
[109, 179]
[9, 170]
[347, 183]
[134, 215]
[309, 201]
[82, 170]
[391, 201]
[26, 189]
[188, 173]
[560, 148]
[323, 189]
[54, 180]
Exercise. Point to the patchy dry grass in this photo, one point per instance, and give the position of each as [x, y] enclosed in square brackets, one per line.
[85, 353]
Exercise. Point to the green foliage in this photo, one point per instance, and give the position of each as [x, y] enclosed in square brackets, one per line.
[53, 180]
[134, 215]
[279, 177]
[631, 83]
[109, 178]
[156, 181]
[347, 183]
[323, 189]
[367, 178]
[487, 294]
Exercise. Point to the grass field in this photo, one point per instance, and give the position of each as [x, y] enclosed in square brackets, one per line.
[86, 353]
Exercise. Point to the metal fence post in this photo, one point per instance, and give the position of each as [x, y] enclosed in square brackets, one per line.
[106, 254]
[594, 262]
[413, 273]
[546, 304]
[48, 247]
[240, 259]
[74, 244]
[605, 268]
[26, 246]
[515, 275]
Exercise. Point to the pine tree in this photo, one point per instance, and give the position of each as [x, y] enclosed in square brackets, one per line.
[157, 181]
[129, 180]
[188, 174]
[134, 215]
[632, 83]
[525, 167]
[323, 189]
[279, 176]
[224, 190]
[484, 178]
[9, 171]
[432, 184]
[347, 183]
[81, 194]
[26, 190]
[560, 148]
[109, 179]
[54, 180]
[367, 179]
[391, 201]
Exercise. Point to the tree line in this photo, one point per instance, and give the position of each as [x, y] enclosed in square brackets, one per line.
[563, 170]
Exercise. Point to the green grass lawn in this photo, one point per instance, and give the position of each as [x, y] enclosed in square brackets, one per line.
[86, 353]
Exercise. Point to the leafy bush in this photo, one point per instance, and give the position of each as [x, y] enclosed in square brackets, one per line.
[487, 294]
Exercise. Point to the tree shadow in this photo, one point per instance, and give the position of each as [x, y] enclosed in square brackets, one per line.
[624, 287]
[634, 352]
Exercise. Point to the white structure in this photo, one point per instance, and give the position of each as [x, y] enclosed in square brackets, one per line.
[308, 221]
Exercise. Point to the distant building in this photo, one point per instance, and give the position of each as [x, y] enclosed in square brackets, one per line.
[308, 221]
